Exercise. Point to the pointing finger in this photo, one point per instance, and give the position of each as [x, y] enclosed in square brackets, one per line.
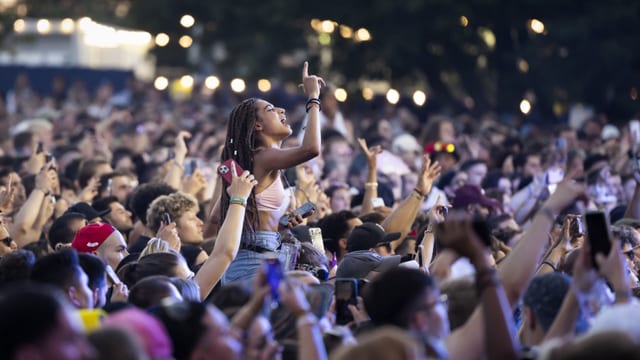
[305, 70]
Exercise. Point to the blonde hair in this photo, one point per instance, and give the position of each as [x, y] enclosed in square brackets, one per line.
[386, 343]
[155, 245]
[175, 205]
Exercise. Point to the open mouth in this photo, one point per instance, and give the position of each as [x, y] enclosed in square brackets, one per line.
[283, 120]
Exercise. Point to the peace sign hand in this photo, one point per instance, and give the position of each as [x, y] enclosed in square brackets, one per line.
[311, 84]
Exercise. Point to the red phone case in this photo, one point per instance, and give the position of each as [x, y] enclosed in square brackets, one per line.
[225, 170]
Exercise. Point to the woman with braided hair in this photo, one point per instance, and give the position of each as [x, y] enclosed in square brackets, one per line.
[256, 130]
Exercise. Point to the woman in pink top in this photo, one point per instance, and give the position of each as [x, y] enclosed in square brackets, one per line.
[255, 133]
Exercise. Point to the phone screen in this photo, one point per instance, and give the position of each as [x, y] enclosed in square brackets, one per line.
[597, 234]
[316, 238]
[274, 276]
[346, 292]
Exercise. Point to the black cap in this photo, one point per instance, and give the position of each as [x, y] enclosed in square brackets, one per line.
[369, 235]
[87, 210]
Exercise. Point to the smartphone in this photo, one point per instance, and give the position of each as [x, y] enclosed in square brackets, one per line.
[554, 175]
[346, 292]
[48, 158]
[316, 238]
[191, 167]
[575, 228]
[598, 234]
[320, 296]
[110, 186]
[305, 211]
[166, 218]
[40, 147]
[273, 269]
[112, 275]
[377, 202]
[443, 210]
[225, 170]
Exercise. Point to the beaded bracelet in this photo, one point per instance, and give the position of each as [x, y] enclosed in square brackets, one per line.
[311, 102]
[238, 201]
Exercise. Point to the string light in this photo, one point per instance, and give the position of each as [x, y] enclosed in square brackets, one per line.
[238, 85]
[264, 85]
[19, 25]
[525, 106]
[536, 26]
[43, 26]
[419, 97]
[212, 82]
[67, 26]
[393, 96]
[340, 94]
[464, 21]
[161, 83]
[162, 39]
[185, 41]
[186, 81]
[187, 21]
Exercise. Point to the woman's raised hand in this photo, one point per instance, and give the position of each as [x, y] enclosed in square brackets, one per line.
[241, 185]
[311, 84]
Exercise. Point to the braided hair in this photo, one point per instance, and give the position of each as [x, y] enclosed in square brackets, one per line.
[240, 146]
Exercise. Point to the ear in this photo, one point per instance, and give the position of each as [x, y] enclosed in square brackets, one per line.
[343, 243]
[258, 126]
[71, 294]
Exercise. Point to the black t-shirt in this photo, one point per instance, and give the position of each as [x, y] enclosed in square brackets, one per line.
[139, 245]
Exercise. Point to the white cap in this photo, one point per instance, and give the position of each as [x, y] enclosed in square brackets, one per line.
[609, 132]
[405, 143]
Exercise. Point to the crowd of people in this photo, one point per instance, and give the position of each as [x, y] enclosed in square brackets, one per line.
[135, 225]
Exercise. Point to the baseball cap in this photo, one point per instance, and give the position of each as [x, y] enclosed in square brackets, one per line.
[472, 194]
[88, 211]
[369, 235]
[405, 143]
[89, 238]
[359, 264]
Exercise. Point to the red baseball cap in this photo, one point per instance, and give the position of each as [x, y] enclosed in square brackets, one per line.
[89, 238]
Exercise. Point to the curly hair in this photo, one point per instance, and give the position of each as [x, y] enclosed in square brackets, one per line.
[175, 205]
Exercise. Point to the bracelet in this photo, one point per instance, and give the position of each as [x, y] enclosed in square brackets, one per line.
[419, 192]
[429, 229]
[548, 213]
[311, 102]
[238, 201]
[551, 265]
[417, 195]
[371, 184]
[307, 319]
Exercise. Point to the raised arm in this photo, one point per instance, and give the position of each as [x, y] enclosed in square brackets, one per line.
[28, 213]
[176, 167]
[402, 217]
[371, 186]
[226, 247]
[633, 209]
[275, 158]
[517, 270]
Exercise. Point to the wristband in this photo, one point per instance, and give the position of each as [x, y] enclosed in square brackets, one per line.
[551, 265]
[371, 184]
[238, 201]
[419, 192]
[311, 102]
[307, 319]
